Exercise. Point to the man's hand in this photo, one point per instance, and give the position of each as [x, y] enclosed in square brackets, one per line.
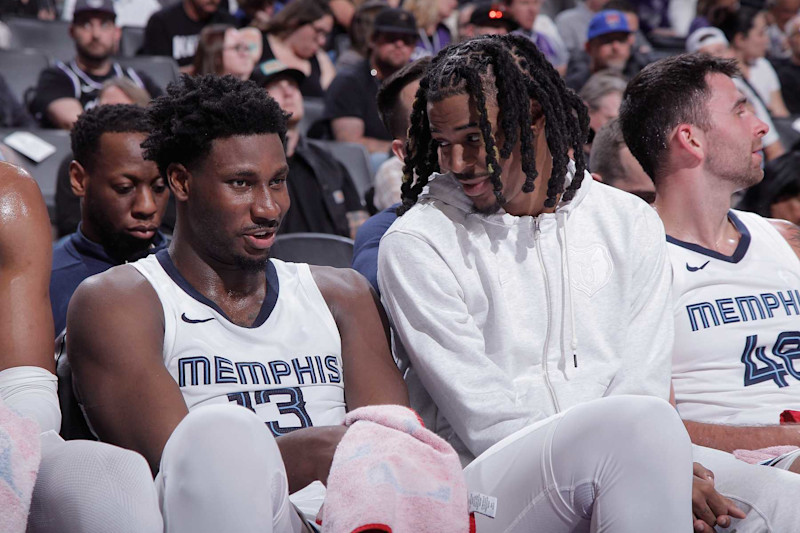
[308, 453]
[709, 507]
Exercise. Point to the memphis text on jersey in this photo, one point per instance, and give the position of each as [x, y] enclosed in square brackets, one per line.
[784, 353]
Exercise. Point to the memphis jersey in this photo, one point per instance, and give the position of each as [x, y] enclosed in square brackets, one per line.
[287, 367]
[736, 358]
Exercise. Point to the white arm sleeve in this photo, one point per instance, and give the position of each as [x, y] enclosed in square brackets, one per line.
[32, 392]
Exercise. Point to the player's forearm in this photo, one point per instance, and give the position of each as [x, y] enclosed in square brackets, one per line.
[729, 438]
[308, 453]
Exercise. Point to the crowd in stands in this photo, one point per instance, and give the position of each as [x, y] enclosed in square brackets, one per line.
[347, 111]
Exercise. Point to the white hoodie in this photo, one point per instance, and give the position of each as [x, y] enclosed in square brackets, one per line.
[477, 301]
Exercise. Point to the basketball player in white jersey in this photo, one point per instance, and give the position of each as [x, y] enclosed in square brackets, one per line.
[231, 373]
[736, 275]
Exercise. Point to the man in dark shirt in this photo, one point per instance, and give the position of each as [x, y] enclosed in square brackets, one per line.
[324, 199]
[789, 69]
[350, 100]
[123, 198]
[174, 30]
[66, 90]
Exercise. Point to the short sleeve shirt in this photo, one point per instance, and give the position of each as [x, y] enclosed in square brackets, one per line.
[353, 93]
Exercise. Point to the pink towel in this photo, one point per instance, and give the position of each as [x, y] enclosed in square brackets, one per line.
[391, 474]
[19, 463]
[756, 456]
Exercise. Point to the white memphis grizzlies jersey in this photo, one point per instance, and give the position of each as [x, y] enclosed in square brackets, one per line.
[736, 358]
[287, 367]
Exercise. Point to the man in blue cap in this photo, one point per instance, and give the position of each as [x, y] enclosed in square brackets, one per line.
[608, 46]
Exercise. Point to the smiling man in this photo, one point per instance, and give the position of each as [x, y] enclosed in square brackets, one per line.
[234, 377]
[530, 303]
[123, 199]
[736, 275]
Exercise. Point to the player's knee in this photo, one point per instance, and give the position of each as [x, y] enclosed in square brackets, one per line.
[213, 433]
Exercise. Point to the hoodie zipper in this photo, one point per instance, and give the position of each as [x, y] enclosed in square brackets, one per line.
[536, 233]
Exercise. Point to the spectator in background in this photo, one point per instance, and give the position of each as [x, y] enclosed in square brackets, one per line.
[295, 37]
[779, 13]
[712, 41]
[463, 28]
[788, 69]
[122, 91]
[175, 30]
[602, 95]
[41, 9]
[255, 13]
[573, 24]
[641, 49]
[430, 16]
[613, 164]
[123, 199]
[526, 14]
[360, 31]
[706, 10]
[490, 19]
[778, 194]
[64, 91]
[746, 31]
[350, 100]
[395, 100]
[322, 194]
[222, 49]
[608, 46]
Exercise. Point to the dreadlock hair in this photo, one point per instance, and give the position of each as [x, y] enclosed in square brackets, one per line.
[91, 125]
[513, 71]
[197, 110]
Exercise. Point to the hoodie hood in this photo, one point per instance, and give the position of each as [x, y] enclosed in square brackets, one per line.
[445, 188]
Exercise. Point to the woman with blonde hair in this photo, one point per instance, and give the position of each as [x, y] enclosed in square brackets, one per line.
[433, 33]
[296, 36]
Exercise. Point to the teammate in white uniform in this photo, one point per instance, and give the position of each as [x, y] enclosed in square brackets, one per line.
[220, 366]
[528, 320]
[735, 277]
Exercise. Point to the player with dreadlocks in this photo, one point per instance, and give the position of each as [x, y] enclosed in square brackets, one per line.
[527, 317]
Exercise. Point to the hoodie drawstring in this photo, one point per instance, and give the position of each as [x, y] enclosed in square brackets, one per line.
[561, 219]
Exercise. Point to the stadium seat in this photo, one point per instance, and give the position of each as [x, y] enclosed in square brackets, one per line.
[162, 70]
[45, 173]
[51, 37]
[314, 248]
[21, 70]
[355, 159]
[132, 39]
[313, 109]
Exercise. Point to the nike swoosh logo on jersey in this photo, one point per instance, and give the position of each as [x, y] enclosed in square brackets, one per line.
[192, 321]
[695, 269]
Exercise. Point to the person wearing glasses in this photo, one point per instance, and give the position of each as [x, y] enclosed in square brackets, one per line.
[295, 37]
[225, 50]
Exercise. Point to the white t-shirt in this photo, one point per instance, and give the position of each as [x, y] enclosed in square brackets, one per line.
[764, 79]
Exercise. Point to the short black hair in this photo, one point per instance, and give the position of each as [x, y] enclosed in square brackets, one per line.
[118, 118]
[198, 110]
[512, 67]
[734, 22]
[393, 114]
[671, 91]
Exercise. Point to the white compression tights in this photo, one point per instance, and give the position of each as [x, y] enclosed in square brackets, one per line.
[621, 464]
[92, 487]
[221, 470]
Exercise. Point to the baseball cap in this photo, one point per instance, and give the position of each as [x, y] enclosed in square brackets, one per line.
[273, 69]
[608, 21]
[703, 37]
[492, 15]
[395, 20]
[96, 6]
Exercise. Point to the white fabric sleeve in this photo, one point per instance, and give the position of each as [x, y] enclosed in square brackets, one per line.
[647, 359]
[481, 401]
[32, 391]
